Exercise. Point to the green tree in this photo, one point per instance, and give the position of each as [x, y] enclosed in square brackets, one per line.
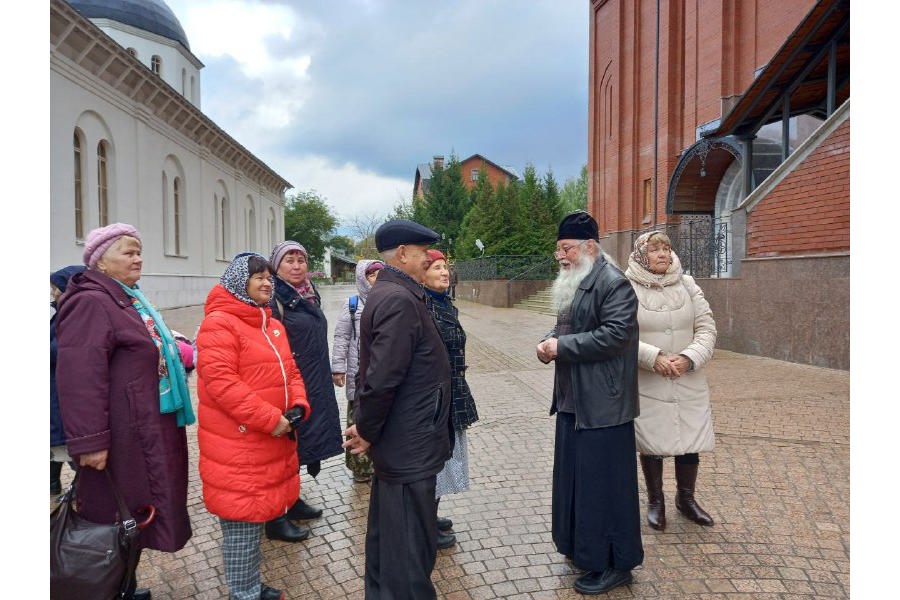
[402, 210]
[478, 221]
[574, 193]
[538, 213]
[446, 202]
[309, 220]
[506, 222]
[343, 244]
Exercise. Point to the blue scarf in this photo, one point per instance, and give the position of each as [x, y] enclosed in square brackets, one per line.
[172, 398]
[442, 298]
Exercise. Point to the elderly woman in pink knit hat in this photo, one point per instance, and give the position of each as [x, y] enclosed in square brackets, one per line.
[123, 395]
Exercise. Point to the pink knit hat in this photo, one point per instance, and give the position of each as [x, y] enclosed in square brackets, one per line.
[99, 240]
[283, 248]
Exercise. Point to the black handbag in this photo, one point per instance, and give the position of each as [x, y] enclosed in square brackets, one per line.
[92, 560]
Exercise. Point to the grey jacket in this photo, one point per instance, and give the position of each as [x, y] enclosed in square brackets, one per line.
[602, 350]
[345, 349]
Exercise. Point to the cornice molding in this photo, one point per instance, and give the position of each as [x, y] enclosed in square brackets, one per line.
[89, 56]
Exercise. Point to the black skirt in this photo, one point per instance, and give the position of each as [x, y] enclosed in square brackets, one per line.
[596, 515]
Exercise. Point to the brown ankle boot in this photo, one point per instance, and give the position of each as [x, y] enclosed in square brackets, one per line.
[656, 500]
[686, 476]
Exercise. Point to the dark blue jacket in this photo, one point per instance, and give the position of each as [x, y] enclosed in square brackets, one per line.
[57, 435]
[60, 279]
[307, 330]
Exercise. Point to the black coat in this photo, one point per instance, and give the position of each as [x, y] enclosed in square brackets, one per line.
[602, 349]
[404, 382]
[307, 330]
[446, 316]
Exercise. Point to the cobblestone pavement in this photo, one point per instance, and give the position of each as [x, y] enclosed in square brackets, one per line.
[777, 485]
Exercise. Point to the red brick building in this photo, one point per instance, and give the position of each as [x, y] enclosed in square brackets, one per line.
[469, 167]
[726, 123]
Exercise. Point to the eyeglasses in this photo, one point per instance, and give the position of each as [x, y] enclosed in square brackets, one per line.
[561, 252]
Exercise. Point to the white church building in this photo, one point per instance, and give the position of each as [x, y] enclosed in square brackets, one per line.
[129, 143]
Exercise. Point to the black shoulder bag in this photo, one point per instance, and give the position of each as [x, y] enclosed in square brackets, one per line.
[92, 560]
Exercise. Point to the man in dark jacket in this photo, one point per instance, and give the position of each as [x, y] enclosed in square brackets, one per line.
[596, 519]
[402, 419]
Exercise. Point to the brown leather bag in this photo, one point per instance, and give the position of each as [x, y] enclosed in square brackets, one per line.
[92, 560]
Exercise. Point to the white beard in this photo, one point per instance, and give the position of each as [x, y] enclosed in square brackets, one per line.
[566, 284]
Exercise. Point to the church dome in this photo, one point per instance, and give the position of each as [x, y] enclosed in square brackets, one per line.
[150, 15]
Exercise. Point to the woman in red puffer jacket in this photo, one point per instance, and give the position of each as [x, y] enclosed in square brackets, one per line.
[247, 380]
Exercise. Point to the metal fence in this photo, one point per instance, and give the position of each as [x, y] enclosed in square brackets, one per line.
[507, 266]
[702, 243]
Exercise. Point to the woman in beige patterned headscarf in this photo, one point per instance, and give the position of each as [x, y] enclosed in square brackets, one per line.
[677, 339]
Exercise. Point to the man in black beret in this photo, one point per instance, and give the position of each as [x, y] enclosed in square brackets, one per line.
[595, 512]
[402, 419]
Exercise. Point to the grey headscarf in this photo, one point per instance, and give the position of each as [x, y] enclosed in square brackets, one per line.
[235, 277]
[362, 284]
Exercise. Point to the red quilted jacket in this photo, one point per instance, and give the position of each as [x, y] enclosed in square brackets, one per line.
[246, 379]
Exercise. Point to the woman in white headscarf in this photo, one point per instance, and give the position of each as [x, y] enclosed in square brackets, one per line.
[677, 339]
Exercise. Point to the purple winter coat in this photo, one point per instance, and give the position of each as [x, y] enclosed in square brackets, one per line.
[108, 388]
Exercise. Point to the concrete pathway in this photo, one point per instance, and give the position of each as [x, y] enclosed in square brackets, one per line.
[777, 485]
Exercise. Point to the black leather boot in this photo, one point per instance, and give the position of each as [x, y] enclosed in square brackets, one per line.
[445, 540]
[443, 523]
[270, 593]
[686, 476]
[284, 530]
[301, 511]
[656, 500]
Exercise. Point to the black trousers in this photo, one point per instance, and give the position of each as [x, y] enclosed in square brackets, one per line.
[596, 514]
[401, 540]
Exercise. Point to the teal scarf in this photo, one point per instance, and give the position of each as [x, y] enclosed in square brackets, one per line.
[174, 396]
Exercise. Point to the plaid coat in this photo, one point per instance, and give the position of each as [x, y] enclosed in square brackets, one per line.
[446, 316]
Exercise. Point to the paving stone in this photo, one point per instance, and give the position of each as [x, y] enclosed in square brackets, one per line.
[777, 485]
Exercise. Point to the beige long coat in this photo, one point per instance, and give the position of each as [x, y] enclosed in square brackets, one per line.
[674, 318]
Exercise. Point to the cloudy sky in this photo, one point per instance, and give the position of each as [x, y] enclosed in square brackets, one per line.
[347, 96]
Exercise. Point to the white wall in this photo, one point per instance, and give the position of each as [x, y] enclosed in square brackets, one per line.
[139, 146]
[174, 57]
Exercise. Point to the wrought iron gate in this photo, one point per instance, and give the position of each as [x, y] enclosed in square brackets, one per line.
[702, 243]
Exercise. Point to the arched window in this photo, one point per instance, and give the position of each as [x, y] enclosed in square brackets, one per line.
[176, 204]
[174, 209]
[102, 185]
[193, 91]
[79, 188]
[184, 82]
[250, 238]
[156, 64]
[272, 233]
[222, 226]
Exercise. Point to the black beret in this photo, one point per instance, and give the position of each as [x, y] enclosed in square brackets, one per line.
[578, 226]
[401, 231]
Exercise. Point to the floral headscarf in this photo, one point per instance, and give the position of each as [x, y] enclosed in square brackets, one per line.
[641, 247]
[235, 277]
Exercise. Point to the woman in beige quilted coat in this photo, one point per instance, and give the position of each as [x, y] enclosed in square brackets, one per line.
[677, 339]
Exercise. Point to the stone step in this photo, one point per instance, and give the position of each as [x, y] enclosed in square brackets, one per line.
[539, 302]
